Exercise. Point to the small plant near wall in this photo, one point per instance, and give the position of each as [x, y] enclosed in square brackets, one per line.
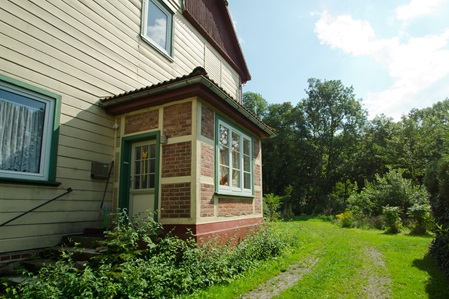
[271, 204]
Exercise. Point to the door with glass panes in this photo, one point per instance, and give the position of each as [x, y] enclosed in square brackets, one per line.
[142, 177]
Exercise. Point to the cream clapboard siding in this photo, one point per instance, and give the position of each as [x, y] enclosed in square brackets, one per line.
[84, 50]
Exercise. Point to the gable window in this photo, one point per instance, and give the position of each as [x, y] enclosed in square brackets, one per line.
[157, 22]
[235, 161]
[26, 134]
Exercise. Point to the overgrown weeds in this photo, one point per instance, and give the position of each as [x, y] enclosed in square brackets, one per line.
[140, 263]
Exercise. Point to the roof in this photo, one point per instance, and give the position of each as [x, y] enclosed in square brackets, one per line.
[212, 19]
[197, 83]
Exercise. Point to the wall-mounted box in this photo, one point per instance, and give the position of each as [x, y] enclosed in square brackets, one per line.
[99, 170]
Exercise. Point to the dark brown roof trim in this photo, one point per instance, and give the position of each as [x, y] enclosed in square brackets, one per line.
[196, 84]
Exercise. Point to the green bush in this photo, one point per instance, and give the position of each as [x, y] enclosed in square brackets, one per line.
[271, 204]
[345, 219]
[142, 264]
[437, 183]
[392, 219]
[388, 190]
[421, 216]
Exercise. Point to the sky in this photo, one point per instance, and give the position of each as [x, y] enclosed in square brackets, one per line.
[394, 53]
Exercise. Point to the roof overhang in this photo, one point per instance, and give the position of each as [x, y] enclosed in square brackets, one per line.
[196, 85]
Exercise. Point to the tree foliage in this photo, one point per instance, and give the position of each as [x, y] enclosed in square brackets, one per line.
[325, 145]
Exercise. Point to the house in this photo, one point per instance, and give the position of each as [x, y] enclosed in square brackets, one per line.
[131, 104]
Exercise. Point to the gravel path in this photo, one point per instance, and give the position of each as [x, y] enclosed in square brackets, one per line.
[378, 285]
[283, 281]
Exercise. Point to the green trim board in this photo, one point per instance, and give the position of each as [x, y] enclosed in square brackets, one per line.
[125, 168]
[50, 180]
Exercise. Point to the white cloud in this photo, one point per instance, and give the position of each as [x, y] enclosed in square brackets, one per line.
[414, 64]
[158, 31]
[352, 36]
[418, 8]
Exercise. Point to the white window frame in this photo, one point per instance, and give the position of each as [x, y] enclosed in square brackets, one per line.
[230, 189]
[169, 26]
[45, 157]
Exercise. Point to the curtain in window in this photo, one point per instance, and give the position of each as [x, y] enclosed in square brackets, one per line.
[21, 133]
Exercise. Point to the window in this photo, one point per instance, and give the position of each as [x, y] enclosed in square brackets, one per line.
[27, 138]
[235, 166]
[157, 25]
[144, 167]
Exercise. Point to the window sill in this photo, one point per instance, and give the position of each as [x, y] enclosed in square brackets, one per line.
[158, 49]
[29, 182]
[230, 194]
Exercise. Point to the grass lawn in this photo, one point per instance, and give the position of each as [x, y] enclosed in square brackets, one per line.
[345, 263]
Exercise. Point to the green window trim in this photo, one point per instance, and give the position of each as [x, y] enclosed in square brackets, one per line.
[48, 177]
[241, 183]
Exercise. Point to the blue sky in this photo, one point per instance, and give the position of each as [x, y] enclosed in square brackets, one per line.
[394, 53]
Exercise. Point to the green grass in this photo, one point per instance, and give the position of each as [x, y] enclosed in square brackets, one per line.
[352, 263]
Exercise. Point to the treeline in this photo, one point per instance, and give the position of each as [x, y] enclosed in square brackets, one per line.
[326, 147]
[329, 158]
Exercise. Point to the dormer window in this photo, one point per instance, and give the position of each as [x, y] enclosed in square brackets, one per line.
[157, 22]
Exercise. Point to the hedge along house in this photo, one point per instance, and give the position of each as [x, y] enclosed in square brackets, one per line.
[152, 85]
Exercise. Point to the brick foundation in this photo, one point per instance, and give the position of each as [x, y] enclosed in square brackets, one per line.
[224, 231]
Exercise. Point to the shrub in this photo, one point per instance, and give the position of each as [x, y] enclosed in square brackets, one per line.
[421, 216]
[388, 190]
[271, 205]
[345, 219]
[142, 264]
[392, 219]
[437, 183]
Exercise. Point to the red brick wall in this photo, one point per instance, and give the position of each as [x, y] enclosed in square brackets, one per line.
[177, 159]
[256, 149]
[258, 202]
[207, 122]
[235, 206]
[175, 200]
[257, 175]
[143, 121]
[178, 120]
[207, 160]
[207, 200]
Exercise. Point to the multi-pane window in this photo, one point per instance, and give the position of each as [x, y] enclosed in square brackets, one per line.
[157, 25]
[26, 128]
[144, 175]
[234, 161]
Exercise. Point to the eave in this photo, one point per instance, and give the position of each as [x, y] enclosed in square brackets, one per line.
[196, 84]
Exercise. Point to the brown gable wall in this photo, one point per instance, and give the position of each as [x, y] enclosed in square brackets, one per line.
[212, 19]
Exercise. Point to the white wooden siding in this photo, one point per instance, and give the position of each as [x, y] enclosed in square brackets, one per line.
[84, 50]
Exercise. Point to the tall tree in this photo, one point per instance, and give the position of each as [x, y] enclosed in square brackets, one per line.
[333, 121]
[256, 104]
